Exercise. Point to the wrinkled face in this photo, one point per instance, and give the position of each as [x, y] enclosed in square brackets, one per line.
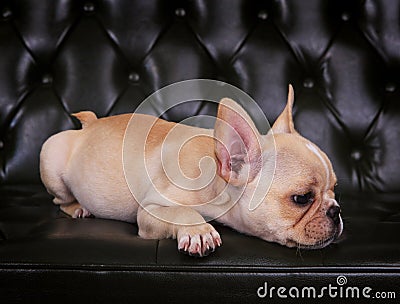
[300, 209]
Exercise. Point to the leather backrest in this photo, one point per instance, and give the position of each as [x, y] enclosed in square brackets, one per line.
[60, 57]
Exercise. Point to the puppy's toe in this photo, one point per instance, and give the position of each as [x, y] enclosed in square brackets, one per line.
[184, 243]
[81, 213]
[217, 241]
[195, 248]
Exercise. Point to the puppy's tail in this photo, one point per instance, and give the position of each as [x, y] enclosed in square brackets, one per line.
[85, 117]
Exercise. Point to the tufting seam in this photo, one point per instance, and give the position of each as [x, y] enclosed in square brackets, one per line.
[63, 105]
[117, 49]
[64, 39]
[161, 34]
[202, 44]
[233, 58]
[22, 98]
[121, 56]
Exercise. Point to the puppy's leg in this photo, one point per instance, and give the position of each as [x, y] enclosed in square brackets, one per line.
[75, 210]
[195, 237]
[54, 157]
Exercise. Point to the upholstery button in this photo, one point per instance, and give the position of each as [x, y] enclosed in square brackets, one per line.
[88, 7]
[134, 77]
[308, 83]
[1, 144]
[390, 87]
[345, 16]
[263, 15]
[47, 79]
[6, 13]
[180, 12]
[356, 155]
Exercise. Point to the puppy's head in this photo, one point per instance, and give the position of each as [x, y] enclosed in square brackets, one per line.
[299, 209]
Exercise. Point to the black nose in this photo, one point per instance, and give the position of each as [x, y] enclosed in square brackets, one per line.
[334, 212]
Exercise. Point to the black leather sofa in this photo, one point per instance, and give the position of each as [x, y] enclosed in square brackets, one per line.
[59, 57]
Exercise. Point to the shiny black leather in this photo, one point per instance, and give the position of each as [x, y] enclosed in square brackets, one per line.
[60, 57]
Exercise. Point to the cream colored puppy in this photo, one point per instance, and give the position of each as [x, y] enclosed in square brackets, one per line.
[169, 178]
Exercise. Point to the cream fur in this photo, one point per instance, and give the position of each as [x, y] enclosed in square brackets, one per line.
[84, 171]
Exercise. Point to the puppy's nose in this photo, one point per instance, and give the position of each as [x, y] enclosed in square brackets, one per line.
[334, 212]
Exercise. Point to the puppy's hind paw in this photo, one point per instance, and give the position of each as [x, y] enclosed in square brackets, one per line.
[199, 240]
[75, 210]
[81, 213]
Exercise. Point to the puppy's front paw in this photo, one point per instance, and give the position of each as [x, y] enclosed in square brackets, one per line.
[199, 240]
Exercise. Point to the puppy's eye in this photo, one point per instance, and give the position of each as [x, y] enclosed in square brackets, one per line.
[303, 199]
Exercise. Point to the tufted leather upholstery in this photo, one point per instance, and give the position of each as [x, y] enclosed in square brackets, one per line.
[60, 57]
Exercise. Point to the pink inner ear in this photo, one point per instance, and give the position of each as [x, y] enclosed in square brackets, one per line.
[236, 145]
[238, 156]
[237, 148]
[240, 132]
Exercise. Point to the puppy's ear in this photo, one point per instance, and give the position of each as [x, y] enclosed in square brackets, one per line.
[237, 144]
[284, 123]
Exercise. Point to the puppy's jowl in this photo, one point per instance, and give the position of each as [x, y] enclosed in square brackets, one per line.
[169, 178]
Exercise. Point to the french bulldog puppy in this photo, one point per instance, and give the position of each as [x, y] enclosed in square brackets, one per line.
[169, 178]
